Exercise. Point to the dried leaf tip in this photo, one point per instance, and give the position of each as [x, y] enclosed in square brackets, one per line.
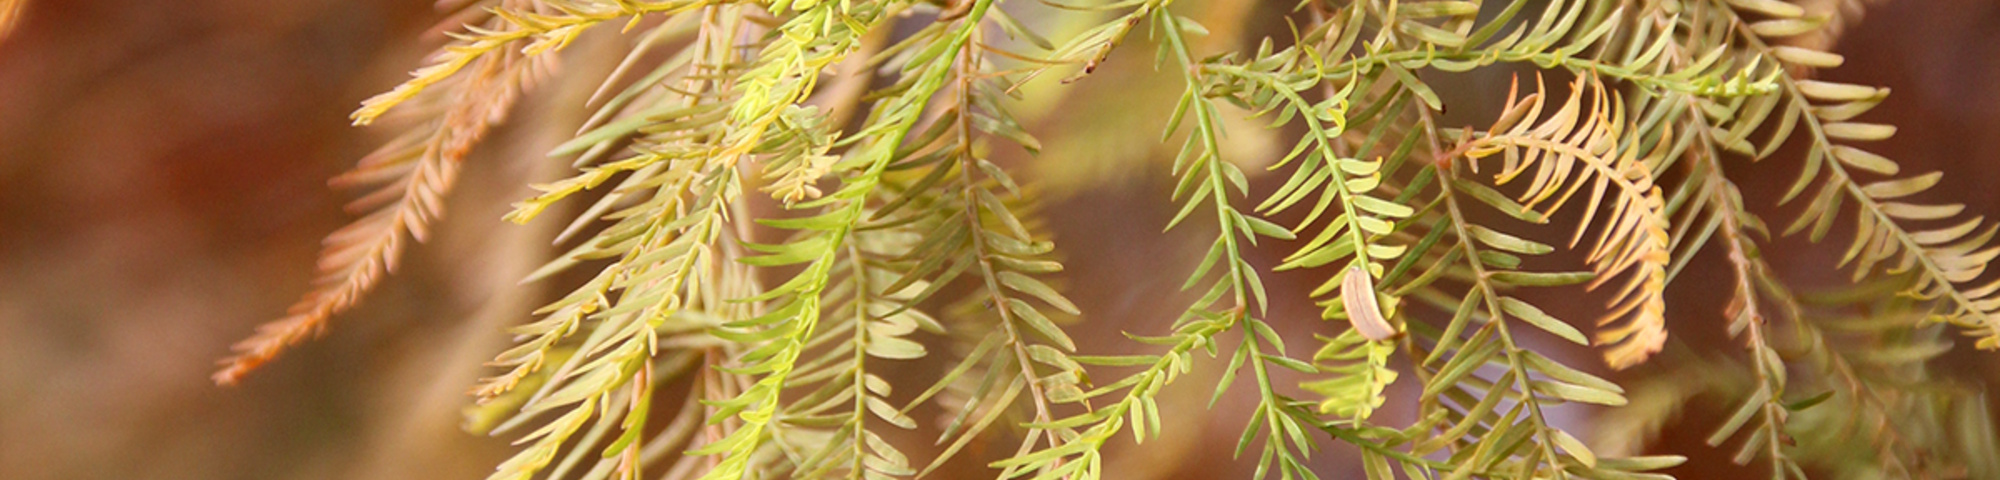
[1357, 292]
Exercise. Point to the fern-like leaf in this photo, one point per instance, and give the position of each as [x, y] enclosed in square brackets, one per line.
[1950, 259]
[1580, 146]
[408, 179]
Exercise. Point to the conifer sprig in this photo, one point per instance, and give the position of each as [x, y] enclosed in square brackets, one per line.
[408, 179]
[872, 126]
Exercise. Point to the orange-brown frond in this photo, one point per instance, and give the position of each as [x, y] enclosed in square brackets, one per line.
[353, 262]
[1583, 145]
[410, 177]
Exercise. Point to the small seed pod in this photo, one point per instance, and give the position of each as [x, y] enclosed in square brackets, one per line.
[1357, 292]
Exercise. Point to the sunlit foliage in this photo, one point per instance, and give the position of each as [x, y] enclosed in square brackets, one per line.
[709, 338]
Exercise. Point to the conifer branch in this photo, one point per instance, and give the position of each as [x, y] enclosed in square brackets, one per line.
[410, 177]
[886, 193]
[798, 312]
[1728, 215]
[1634, 239]
[1748, 322]
[544, 33]
[1518, 376]
[973, 198]
[1946, 257]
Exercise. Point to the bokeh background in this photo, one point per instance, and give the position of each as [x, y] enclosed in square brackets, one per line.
[162, 191]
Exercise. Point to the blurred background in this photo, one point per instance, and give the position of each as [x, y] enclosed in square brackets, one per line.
[163, 173]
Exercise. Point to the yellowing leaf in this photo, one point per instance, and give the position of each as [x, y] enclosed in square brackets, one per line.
[1863, 159]
[1357, 292]
[1837, 92]
[1901, 187]
[1807, 57]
